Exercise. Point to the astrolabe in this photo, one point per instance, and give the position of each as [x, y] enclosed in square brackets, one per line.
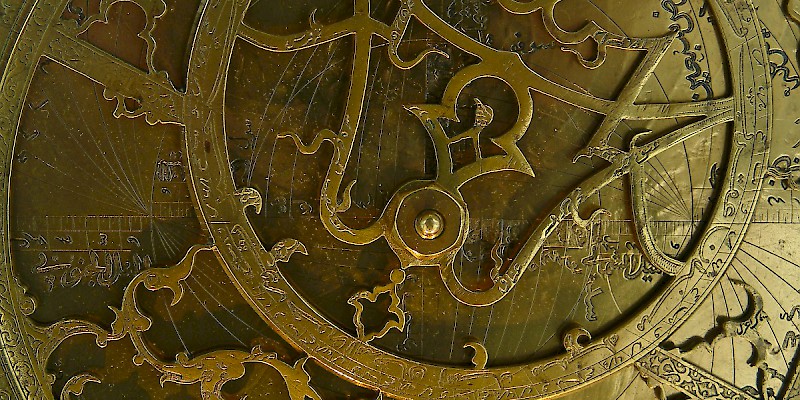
[459, 199]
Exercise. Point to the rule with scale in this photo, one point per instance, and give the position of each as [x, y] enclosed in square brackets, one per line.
[400, 199]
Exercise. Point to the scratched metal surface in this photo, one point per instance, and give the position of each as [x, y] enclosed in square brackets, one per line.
[375, 199]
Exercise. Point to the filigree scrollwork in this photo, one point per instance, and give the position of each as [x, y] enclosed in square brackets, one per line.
[210, 370]
[669, 369]
[395, 307]
[154, 10]
[136, 93]
[521, 79]
[480, 356]
[577, 342]
[251, 265]
[745, 326]
[148, 93]
[75, 385]
[603, 38]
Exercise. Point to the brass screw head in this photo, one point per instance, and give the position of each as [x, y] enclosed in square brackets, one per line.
[429, 224]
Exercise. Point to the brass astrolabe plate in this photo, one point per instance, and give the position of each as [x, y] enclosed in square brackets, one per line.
[400, 199]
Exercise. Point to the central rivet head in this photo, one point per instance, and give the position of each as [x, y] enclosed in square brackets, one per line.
[429, 224]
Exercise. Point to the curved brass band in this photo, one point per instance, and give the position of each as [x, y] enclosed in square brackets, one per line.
[19, 361]
[254, 269]
[353, 358]
[522, 80]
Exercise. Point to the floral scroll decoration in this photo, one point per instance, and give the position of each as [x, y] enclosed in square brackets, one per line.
[510, 70]
[210, 370]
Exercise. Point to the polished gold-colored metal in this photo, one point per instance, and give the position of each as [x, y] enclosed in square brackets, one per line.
[438, 199]
[429, 224]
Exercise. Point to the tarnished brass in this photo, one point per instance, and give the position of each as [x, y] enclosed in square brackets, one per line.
[406, 199]
[429, 224]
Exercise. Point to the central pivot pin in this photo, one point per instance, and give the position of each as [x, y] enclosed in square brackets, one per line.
[429, 224]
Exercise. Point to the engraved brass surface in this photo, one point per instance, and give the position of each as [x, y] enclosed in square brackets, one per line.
[400, 199]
